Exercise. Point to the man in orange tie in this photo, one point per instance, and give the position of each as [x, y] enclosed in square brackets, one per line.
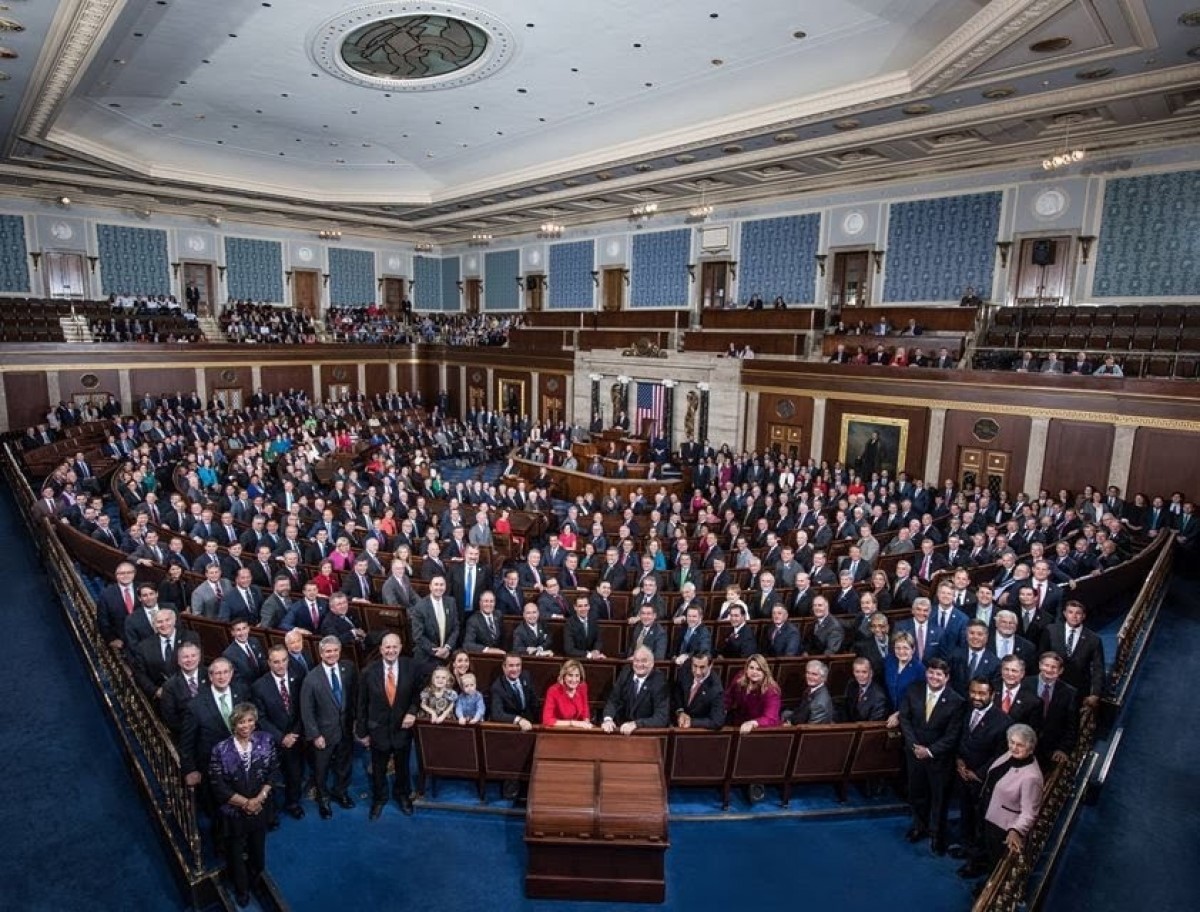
[388, 700]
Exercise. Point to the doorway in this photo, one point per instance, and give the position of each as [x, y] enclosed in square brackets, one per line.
[615, 281]
[305, 296]
[65, 275]
[339, 392]
[784, 440]
[472, 293]
[200, 276]
[1043, 270]
[535, 292]
[984, 469]
[714, 284]
[393, 296]
[851, 285]
[230, 396]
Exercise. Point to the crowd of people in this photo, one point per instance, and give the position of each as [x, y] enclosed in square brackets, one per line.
[750, 554]
[170, 327]
[266, 324]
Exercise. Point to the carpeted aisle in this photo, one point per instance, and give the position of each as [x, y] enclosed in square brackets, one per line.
[74, 834]
[1137, 848]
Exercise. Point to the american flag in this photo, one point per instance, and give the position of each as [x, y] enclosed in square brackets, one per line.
[650, 401]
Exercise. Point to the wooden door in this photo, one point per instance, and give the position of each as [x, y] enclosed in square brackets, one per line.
[784, 440]
[472, 293]
[200, 275]
[393, 296]
[535, 292]
[66, 275]
[305, 295]
[851, 279]
[1043, 270]
[338, 392]
[714, 284]
[982, 468]
[614, 289]
[230, 395]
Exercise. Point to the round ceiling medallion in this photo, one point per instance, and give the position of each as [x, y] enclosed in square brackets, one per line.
[305, 254]
[89, 381]
[196, 244]
[62, 231]
[854, 222]
[427, 46]
[1050, 203]
[986, 430]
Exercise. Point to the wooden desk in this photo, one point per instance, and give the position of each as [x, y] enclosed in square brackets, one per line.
[570, 484]
[597, 821]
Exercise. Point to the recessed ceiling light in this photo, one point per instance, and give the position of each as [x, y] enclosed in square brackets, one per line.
[177, 104]
[685, 159]
[206, 61]
[157, 126]
[139, 34]
[733, 149]
[649, 85]
[283, 94]
[713, 15]
[916, 110]
[637, 44]
[785, 137]
[846, 124]
[232, 35]
[113, 104]
[1050, 45]
[541, 120]
[183, 82]
[1097, 73]
[717, 61]
[522, 91]
[574, 69]
[528, 25]
[999, 92]
[119, 61]
[220, 142]
[799, 35]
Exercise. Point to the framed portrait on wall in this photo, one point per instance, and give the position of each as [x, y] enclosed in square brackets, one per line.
[872, 444]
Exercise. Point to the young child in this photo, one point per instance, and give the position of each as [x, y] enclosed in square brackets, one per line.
[438, 698]
[469, 707]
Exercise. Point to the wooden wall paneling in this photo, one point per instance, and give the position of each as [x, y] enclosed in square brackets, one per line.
[918, 430]
[521, 377]
[552, 404]
[477, 395]
[780, 409]
[28, 399]
[158, 381]
[240, 377]
[427, 377]
[1078, 453]
[71, 382]
[339, 375]
[1012, 438]
[377, 378]
[278, 378]
[1163, 461]
[454, 388]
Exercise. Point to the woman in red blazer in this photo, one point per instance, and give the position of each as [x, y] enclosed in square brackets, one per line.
[566, 703]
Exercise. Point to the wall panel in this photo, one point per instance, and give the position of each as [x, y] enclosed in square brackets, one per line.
[1013, 439]
[286, 376]
[159, 380]
[1078, 453]
[1164, 461]
[28, 399]
[918, 430]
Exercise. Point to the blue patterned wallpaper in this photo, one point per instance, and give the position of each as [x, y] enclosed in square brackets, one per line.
[500, 271]
[570, 276]
[427, 283]
[254, 269]
[659, 269]
[451, 299]
[1150, 239]
[937, 247]
[777, 258]
[14, 256]
[351, 277]
[133, 260]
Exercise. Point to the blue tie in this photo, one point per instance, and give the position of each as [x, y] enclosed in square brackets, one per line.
[336, 686]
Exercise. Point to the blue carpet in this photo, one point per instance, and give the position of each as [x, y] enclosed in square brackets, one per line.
[76, 835]
[1145, 820]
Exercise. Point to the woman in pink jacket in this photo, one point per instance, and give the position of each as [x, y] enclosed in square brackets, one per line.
[1012, 795]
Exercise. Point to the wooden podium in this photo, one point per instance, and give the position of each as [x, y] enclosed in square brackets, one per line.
[596, 826]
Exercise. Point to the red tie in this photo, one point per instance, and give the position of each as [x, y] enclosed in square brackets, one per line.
[128, 600]
[1006, 703]
[925, 567]
[316, 618]
[283, 695]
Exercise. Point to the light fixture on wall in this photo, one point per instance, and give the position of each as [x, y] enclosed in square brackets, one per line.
[215, 221]
[63, 201]
[330, 234]
[1085, 247]
[480, 239]
[1067, 156]
[1004, 247]
[550, 230]
[878, 256]
[821, 258]
[423, 247]
[596, 277]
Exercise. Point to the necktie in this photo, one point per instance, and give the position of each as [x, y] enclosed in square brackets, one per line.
[193, 686]
[695, 689]
[925, 567]
[491, 624]
[945, 619]
[223, 702]
[167, 651]
[246, 599]
[314, 614]
[1007, 702]
[642, 635]
[1072, 635]
[1041, 591]
[250, 655]
[976, 717]
[284, 697]
[440, 615]
[335, 684]
[389, 685]
[470, 587]
[217, 589]
[128, 597]
[520, 692]
[1005, 647]
[1047, 693]
[637, 687]
[931, 699]
[921, 642]
[862, 695]
[972, 664]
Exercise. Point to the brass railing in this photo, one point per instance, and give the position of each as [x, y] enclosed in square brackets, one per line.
[1019, 879]
[151, 755]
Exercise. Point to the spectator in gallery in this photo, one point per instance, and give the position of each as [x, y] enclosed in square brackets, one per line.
[1110, 368]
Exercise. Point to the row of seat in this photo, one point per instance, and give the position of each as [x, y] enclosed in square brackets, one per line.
[1100, 338]
[1086, 316]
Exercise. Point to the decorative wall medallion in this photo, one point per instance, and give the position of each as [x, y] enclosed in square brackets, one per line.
[552, 385]
[340, 374]
[785, 408]
[535, 258]
[1050, 204]
[986, 430]
[305, 254]
[89, 381]
[613, 248]
[393, 263]
[854, 223]
[229, 375]
[411, 47]
[472, 263]
[196, 244]
[62, 231]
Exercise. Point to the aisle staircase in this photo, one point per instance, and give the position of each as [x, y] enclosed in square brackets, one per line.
[211, 329]
[75, 329]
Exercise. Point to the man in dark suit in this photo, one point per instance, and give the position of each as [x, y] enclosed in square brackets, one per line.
[740, 642]
[469, 580]
[1007, 641]
[763, 601]
[639, 697]
[781, 638]
[154, 657]
[277, 696]
[242, 601]
[434, 624]
[306, 613]
[1056, 716]
[974, 660]
[694, 637]
[327, 705]
[802, 599]
[1080, 649]
[340, 622]
[931, 719]
[509, 601]
[698, 699]
[865, 699]
[117, 601]
[513, 698]
[581, 635]
[139, 626]
[1031, 620]
[531, 637]
[206, 722]
[904, 589]
[949, 620]
[816, 705]
[357, 585]
[388, 700]
[484, 632]
[181, 687]
[982, 741]
[826, 635]
[647, 632]
[245, 654]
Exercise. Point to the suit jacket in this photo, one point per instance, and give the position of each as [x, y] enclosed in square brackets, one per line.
[243, 669]
[528, 639]
[111, 612]
[1015, 798]
[650, 708]
[233, 606]
[399, 595]
[357, 587]
[458, 585]
[341, 626]
[149, 669]
[1021, 647]
[205, 602]
[1057, 728]
[870, 705]
[654, 639]
[903, 593]
[954, 634]
[174, 700]
[826, 637]
[739, 644]
[760, 603]
[941, 731]
[578, 642]
[987, 666]
[204, 727]
[319, 710]
[801, 603]
[374, 717]
[509, 603]
[137, 629]
[707, 707]
[978, 748]
[700, 640]
[425, 634]
[273, 611]
[506, 705]
[272, 717]
[815, 708]
[1083, 669]
[933, 637]
[477, 637]
[781, 641]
